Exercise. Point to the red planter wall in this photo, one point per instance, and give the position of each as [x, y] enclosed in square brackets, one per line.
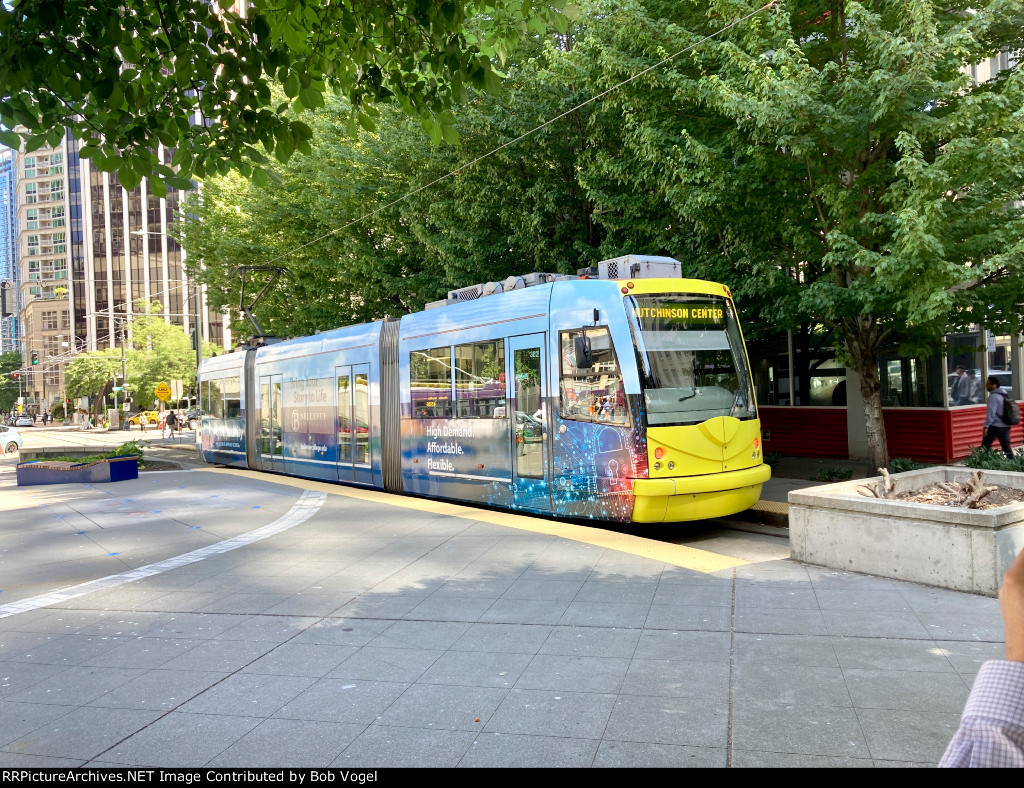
[923, 434]
[804, 432]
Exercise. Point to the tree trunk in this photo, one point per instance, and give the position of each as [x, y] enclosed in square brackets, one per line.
[862, 345]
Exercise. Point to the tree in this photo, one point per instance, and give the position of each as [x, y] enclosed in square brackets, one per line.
[9, 362]
[831, 160]
[156, 352]
[195, 76]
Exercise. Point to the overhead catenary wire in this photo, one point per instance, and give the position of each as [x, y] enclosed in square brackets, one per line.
[524, 135]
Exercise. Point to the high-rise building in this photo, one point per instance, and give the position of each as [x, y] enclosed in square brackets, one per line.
[89, 251]
[8, 250]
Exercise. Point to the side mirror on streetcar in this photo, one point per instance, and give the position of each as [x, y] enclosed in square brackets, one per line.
[582, 351]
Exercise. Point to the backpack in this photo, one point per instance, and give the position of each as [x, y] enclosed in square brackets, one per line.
[1011, 413]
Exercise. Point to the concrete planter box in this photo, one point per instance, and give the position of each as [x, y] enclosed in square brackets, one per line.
[961, 549]
[115, 469]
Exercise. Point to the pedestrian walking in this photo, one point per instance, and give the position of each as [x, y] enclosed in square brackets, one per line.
[995, 428]
[172, 421]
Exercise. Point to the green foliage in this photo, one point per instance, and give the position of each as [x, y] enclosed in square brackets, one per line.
[126, 76]
[131, 448]
[772, 459]
[990, 460]
[836, 474]
[904, 464]
[9, 362]
[155, 352]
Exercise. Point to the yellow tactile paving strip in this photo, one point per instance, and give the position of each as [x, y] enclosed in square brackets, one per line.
[775, 507]
[676, 555]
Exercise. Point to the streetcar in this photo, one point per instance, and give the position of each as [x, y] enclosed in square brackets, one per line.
[621, 394]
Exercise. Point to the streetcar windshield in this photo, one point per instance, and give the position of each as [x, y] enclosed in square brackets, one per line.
[692, 362]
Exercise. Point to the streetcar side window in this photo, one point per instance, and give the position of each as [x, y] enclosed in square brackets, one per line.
[590, 382]
[216, 399]
[430, 381]
[207, 408]
[480, 380]
[232, 398]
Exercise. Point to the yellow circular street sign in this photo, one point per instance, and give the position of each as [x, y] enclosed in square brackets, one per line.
[163, 391]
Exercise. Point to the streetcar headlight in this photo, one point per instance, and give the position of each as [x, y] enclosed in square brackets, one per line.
[671, 465]
[657, 466]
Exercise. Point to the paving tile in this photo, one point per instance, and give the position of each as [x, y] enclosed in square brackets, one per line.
[83, 733]
[964, 626]
[678, 593]
[217, 655]
[301, 659]
[334, 700]
[447, 707]
[913, 736]
[802, 598]
[476, 669]
[501, 751]
[17, 676]
[811, 650]
[549, 590]
[604, 614]
[378, 606]
[709, 618]
[76, 686]
[450, 608]
[386, 664]
[891, 654]
[669, 720]
[19, 719]
[24, 760]
[780, 621]
[525, 611]
[675, 678]
[475, 584]
[577, 715]
[394, 747]
[181, 740]
[874, 624]
[606, 591]
[162, 690]
[591, 642]
[968, 656]
[799, 685]
[200, 626]
[68, 650]
[938, 600]
[504, 638]
[342, 632]
[907, 690]
[143, 652]
[806, 730]
[576, 673]
[248, 695]
[290, 744]
[309, 605]
[642, 755]
[686, 646]
[751, 759]
[420, 635]
[861, 599]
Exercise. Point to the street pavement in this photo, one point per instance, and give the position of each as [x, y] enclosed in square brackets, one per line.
[213, 617]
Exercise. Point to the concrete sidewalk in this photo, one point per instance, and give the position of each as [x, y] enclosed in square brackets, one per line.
[289, 623]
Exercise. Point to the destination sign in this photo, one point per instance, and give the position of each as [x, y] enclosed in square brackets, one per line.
[690, 313]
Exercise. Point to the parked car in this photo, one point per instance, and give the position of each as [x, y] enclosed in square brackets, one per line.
[10, 440]
[191, 419]
[151, 417]
[25, 421]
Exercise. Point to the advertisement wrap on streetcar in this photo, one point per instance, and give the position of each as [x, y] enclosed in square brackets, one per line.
[607, 397]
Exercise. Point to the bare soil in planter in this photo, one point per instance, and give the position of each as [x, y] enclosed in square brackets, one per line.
[157, 465]
[938, 495]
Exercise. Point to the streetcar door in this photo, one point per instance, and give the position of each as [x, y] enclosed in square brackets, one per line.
[354, 426]
[344, 379]
[269, 422]
[531, 488]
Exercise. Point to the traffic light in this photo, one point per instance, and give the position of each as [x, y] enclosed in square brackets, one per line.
[35, 356]
[14, 375]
